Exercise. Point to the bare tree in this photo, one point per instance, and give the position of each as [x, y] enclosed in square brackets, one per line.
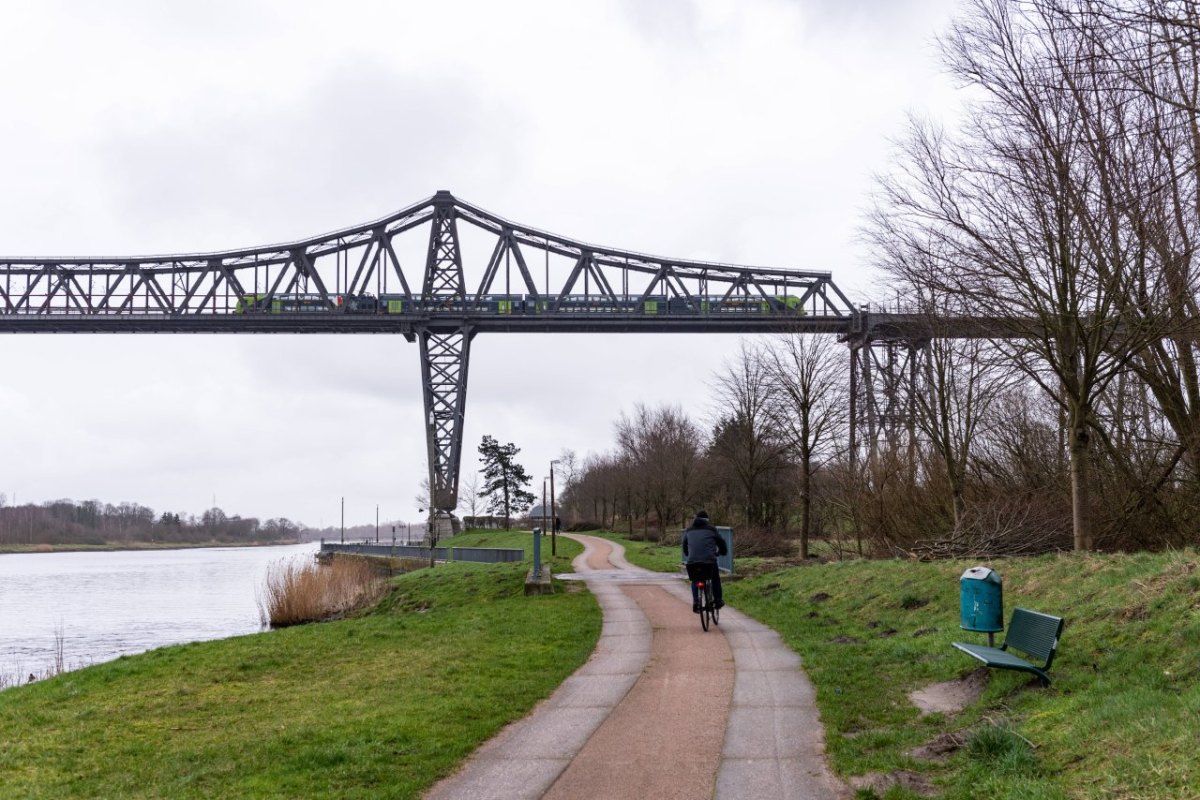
[809, 408]
[1007, 214]
[1144, 81]
[422, 496]
[745, 438]
[962, 380]
[470, 494]
[662, 449]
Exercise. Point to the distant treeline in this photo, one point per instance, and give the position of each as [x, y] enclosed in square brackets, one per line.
[95, 523]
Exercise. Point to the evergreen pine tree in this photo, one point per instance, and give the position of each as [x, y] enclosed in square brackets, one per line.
[504, 480]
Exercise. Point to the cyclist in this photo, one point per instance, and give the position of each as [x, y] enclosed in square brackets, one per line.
[701, 545]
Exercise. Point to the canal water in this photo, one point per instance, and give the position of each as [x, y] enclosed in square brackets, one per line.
[101, 605]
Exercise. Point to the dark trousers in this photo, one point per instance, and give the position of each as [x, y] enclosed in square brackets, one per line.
[713, 575]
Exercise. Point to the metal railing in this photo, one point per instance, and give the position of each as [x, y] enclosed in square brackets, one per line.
[479, 555]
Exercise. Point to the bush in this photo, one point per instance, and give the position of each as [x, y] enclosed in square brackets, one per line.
[300, 590]
[762, 542]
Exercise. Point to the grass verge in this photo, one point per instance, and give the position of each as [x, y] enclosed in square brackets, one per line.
[1118, 721]
[648, 555]
[379, 706]
[567, 548]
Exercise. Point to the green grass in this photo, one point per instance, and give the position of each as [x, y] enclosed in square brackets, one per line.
[379, 706]
[567, 548]
[667, 557]
[650, 555]
[1118, 722]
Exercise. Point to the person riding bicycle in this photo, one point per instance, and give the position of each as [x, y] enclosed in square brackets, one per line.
[701, 545]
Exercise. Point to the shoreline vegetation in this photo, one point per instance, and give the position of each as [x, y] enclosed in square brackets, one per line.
[92, 524]
[298, 590]
[109, 547]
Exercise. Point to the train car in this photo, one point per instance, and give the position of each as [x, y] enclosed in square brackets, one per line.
[250, 303]
[303, 303]
[394, 304]
[359, 304]
[737, 304]
[285, 303]
[655, 305]
[500, 304]
[488, 304]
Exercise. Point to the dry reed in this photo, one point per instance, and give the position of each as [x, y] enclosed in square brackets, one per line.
[300, 590]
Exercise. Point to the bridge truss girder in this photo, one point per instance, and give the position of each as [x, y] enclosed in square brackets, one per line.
[371, 259]
[594, 288]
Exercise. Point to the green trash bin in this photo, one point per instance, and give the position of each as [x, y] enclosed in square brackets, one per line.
[981, 601]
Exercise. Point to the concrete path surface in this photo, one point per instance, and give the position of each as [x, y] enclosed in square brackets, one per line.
[661, 709]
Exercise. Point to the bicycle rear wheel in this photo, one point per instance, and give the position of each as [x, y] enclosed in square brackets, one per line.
[703, 592]
[710, 608]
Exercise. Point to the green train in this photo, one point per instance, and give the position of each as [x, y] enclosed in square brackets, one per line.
[521, 304]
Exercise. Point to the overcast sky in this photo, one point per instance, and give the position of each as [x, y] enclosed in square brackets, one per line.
[742, 131]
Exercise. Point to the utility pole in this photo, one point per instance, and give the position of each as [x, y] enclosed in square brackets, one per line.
[553, 513]
[377, 523]
[343, 520]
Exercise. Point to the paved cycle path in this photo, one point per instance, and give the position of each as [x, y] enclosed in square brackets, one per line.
[661, 709]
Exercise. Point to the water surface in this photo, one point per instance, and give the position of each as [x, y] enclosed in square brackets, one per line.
[106, 604]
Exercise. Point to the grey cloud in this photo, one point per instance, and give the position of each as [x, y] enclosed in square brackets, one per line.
[372, 140]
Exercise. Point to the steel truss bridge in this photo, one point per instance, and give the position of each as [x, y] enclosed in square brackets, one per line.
[407, 274]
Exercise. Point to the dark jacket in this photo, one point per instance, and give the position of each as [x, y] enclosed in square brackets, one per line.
[702, 543]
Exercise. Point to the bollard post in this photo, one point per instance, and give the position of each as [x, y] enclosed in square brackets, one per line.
[537, 554]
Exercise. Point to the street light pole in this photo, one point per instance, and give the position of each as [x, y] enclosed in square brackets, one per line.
[553, 513]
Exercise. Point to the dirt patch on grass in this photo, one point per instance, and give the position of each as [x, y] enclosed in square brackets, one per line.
[952, 696]
[937, 749]
[881, 782]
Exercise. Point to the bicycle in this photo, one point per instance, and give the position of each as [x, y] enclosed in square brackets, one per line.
[700, 574]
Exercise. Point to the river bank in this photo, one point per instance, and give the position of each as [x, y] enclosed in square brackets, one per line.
[63, 610]
[380, 705]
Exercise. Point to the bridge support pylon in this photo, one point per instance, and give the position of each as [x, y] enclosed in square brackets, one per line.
[444, 361]
[883, 387]
[445, 356]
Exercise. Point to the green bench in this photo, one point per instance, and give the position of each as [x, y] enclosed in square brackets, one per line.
[1031, 632]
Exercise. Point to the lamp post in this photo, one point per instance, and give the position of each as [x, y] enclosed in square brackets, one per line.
[429, 534]
[553, 513]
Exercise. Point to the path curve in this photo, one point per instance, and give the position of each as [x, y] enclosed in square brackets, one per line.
[624, 724]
